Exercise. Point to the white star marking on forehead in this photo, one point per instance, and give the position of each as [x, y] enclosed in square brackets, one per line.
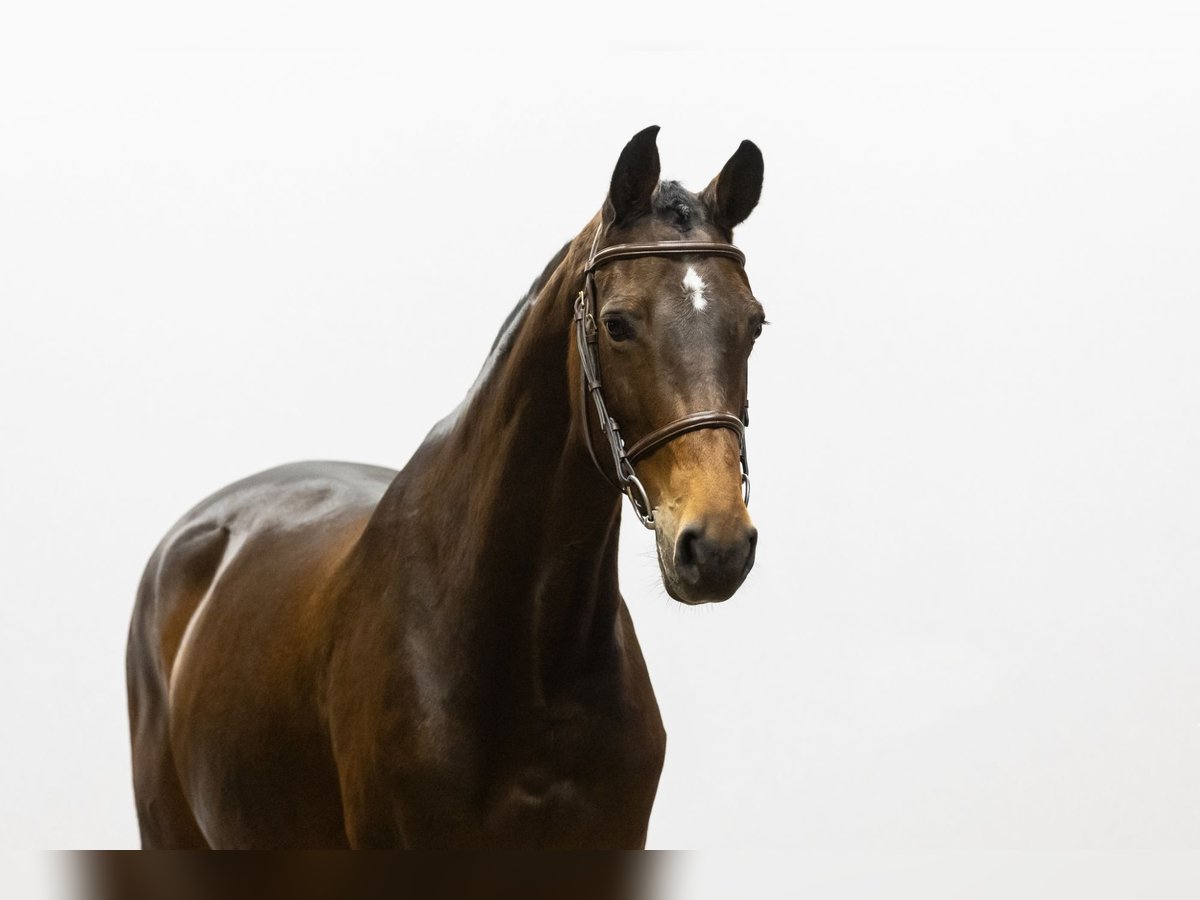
[694, 285]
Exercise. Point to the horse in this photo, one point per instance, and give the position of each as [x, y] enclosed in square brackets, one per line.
[335, 655]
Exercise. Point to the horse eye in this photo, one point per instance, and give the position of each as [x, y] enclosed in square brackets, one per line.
[618, 329]
[758, 330]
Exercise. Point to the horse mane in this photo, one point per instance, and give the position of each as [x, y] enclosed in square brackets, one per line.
[538, 284]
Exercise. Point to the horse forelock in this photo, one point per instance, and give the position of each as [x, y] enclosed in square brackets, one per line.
[676, 205]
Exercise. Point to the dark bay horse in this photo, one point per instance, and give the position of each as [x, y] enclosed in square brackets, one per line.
[329, 655]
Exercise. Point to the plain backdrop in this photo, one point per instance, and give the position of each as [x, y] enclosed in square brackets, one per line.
[243, 235]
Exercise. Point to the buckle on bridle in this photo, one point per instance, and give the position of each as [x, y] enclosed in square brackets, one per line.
[636, 493]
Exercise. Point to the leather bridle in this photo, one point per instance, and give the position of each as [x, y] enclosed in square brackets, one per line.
[587, 334]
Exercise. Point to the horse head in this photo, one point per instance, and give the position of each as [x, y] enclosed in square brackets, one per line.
[672, 332]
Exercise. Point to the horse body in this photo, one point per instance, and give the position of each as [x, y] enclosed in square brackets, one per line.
[224, 656]
[317, 712]
[328, 654]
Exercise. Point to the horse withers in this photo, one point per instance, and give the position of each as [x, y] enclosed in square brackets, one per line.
[337, 655]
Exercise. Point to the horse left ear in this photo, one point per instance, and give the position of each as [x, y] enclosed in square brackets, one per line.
[634, 179]
[733, 194]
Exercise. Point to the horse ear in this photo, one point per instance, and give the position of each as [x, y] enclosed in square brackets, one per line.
[733, 194]
[634, 179]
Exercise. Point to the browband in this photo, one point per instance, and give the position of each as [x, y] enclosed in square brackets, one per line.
[663, 248]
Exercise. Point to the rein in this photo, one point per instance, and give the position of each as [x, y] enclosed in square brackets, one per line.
[587, 335]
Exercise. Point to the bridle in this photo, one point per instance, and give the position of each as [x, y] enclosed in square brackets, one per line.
[587, 334]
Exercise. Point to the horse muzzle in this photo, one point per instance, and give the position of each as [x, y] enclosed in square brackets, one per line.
[708, 559]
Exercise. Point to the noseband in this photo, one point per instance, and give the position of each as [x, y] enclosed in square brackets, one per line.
[587, 335]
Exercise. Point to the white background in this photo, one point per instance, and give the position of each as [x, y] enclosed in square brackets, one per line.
[246, 235]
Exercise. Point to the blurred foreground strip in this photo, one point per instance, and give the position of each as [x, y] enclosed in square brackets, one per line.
[317, 875]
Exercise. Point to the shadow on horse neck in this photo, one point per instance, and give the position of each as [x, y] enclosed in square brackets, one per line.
[508, 498]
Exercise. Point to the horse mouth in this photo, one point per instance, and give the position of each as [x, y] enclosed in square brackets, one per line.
[689, 597]
[676, 594]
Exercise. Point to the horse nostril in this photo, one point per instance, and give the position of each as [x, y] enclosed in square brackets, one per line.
[689, 552]
[752, 543]
[714, 557]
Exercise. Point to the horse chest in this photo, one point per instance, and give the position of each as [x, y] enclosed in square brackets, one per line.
[578, 777]
[432, 753]
[567, 775]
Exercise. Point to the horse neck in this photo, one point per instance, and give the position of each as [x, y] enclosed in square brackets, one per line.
[524, 527]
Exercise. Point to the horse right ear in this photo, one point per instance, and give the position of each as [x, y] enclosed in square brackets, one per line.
[734, 193]
[634, 179]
